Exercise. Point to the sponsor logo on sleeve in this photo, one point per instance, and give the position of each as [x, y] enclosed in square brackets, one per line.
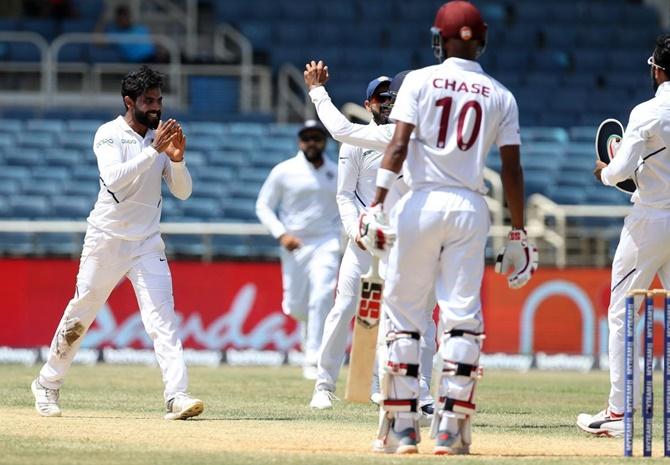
[128, 141]
[102, 142]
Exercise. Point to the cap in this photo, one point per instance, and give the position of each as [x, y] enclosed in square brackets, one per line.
[395, 84]
[459, 19]
[313, 124]
[374, 84]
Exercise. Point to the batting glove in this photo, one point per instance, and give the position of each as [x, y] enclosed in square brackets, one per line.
[518, 260]
[375, 232]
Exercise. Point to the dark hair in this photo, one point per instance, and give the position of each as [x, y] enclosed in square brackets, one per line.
[136, 83]
[662, 51]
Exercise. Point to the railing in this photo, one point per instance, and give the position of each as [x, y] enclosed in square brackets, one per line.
[540, 209]
[224, 34]
[291, 96]
[255, 80]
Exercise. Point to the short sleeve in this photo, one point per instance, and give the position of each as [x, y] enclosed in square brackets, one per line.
[508, 133]
[407, 103]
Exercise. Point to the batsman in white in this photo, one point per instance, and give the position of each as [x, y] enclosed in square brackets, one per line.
[447, 117]
[357, 169]
[643, 249]
[307, 225]
[134, 152]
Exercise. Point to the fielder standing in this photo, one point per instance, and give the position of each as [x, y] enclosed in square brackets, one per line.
[447, 117]
[643, 249]
[134, 152]
[356, 177]
[302, 191]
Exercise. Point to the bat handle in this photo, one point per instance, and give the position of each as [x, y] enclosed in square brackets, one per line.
[374, 266]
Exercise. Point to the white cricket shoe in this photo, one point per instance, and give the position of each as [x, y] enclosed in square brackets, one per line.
[183, 406]
[322, 399]
[377, 398]
[46, 400]
[604, 423]
[427, 412]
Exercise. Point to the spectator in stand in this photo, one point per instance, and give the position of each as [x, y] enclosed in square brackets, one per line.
[143, 50]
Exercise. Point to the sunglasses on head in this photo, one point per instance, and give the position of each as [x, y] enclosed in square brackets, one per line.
[650, 62]
[312, 138]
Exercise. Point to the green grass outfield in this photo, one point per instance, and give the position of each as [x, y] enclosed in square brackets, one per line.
[113, 414]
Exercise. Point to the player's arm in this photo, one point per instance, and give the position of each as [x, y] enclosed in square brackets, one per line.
[266, 204]
[176, 173]
[116, 173]
[511, 175]
[342, 130]
[348, 169]
[633, 147]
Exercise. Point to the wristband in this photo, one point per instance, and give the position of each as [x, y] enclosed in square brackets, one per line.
[385, 178]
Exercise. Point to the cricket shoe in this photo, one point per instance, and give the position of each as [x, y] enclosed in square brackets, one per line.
[46, 400]
[448, 443]
[604, 423]
[427, 412]
[403, 442]
[183, 406]
[322, 399]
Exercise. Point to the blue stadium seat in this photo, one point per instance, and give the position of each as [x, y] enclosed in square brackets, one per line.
[590, 60]
[241, 210]
[85, 189]
[582, 134]
[28, 207]
[68, 244]
[44, 187]
[210, 190]
[204, 142]
[16, 244]
[245, 191]
[23, 51]
[228, 159]
[46, 27]
[247, 130]
[88, 126]
[238, 144]
[9, 187]
[78, 140]
[58, 173]
[202, 207]
[567, 196]
[206, 128]
[20, 157]
[46, 125]
[79, 24]
[213, 174]
[542, 134]
[260, 33]
[62, 157]
[7, 140]
[19, 173]
[11, 125]
[184, 244]
[36, 139]
[580, 156]
[254, 175]
[103, 54]
[71, 207]
[195, 158]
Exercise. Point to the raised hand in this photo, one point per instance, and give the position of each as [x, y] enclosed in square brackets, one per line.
[315, 74]
[165, 132]
[175, 151]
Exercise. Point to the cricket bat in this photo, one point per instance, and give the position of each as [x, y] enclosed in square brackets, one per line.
[366, 328]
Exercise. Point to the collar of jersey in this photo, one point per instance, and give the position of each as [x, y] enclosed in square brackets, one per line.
[467, 65]
[664, 87]
[121, 121]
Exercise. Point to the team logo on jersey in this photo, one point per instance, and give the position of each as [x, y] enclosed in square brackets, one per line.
[101, 142]
[466, 33]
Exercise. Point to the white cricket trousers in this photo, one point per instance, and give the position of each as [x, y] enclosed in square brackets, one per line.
[643, 251]
[105, 260]
[309, 275]
[355, 263]
[441, 236]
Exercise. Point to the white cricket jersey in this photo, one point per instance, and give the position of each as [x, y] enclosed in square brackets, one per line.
[458, 112]
[304, 197]
[356, 184]
[129, 202]
[643, 153]
[361, 135]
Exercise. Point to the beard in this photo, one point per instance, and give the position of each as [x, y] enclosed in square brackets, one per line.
[145, 119]
[313, 153]
[381, 117]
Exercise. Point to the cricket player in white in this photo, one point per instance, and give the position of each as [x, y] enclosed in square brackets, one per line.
[134, 152]
[357, 169]
[302, 190]
[447, 117]
[643, 249]
[356, 184]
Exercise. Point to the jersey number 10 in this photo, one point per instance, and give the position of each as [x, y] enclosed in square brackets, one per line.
[464, 145]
